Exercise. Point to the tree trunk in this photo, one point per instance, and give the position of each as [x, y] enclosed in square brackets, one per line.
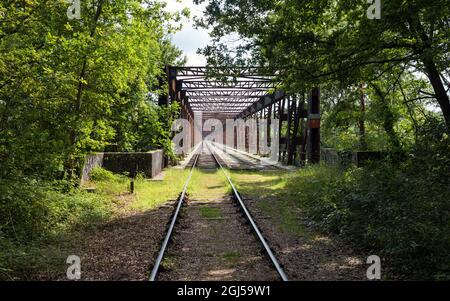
[388, 118]
[438, 87]
[71, 163]
[361, 122]
[431, 70]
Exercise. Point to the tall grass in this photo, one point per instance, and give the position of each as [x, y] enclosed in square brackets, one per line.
[397, 209]
[37, 220]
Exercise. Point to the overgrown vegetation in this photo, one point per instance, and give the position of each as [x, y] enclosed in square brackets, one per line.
[335, 45]
[43, 221]
[40, 220]
[68, 88]
[397, 209]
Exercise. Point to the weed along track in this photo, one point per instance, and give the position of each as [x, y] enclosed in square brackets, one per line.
[214, 238]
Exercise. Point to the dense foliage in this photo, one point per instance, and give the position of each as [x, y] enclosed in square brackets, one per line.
[399, 210]
[335, 45]
[38, 221]
[69, 87]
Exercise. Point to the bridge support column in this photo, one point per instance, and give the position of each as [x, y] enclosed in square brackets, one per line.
[172, 75]
[294, 135]
[313, 153]
[281, 113]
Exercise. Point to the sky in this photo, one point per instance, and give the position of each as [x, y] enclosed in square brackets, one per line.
[190, 39]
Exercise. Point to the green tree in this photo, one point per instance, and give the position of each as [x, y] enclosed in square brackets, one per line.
[67, 86]
[317, 40]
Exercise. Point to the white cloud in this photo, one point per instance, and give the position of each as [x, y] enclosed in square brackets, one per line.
[195, 60]
[190, 39]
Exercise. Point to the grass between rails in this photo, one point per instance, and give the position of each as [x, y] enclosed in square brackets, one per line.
[209, 212]
[208, 185]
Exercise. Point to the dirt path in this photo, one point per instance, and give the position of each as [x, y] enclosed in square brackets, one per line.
[125, 248]
[308, 255]
[212, 242]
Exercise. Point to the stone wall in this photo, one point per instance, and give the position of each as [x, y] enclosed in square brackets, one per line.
[329, 156]
[344, 159]
[91, 161]
[361, 158]
[150, 164]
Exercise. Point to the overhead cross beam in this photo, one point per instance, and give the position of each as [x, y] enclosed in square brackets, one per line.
[233, 71]
[193, 85]
[201, 94]
[219, 89]
[262, 103]
[249, 93]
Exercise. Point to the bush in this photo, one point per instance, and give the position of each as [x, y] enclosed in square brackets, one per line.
[100, 174]
[34, 213]
[398, 210]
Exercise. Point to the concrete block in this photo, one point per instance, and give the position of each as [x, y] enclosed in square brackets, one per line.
[150, 164]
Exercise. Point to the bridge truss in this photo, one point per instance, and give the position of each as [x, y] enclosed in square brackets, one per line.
[248, 92]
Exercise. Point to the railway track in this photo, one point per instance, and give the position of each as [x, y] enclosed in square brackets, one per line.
[266, 265]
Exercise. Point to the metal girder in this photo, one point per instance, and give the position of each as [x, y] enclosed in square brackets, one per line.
[218, 108]
[218, 104]
[217, 113]
[221, 100]
[219, 89]
[221, 71]
[230, 112]
[194, 85]
[225, 93]
[226, 98]
[241, 102]
[262, 103]
[231, 104]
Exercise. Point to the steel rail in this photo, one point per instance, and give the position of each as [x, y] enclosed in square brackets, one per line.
[172, 224]
[272, 257]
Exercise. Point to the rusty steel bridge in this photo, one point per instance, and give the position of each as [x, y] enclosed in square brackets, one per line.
[248, 93]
